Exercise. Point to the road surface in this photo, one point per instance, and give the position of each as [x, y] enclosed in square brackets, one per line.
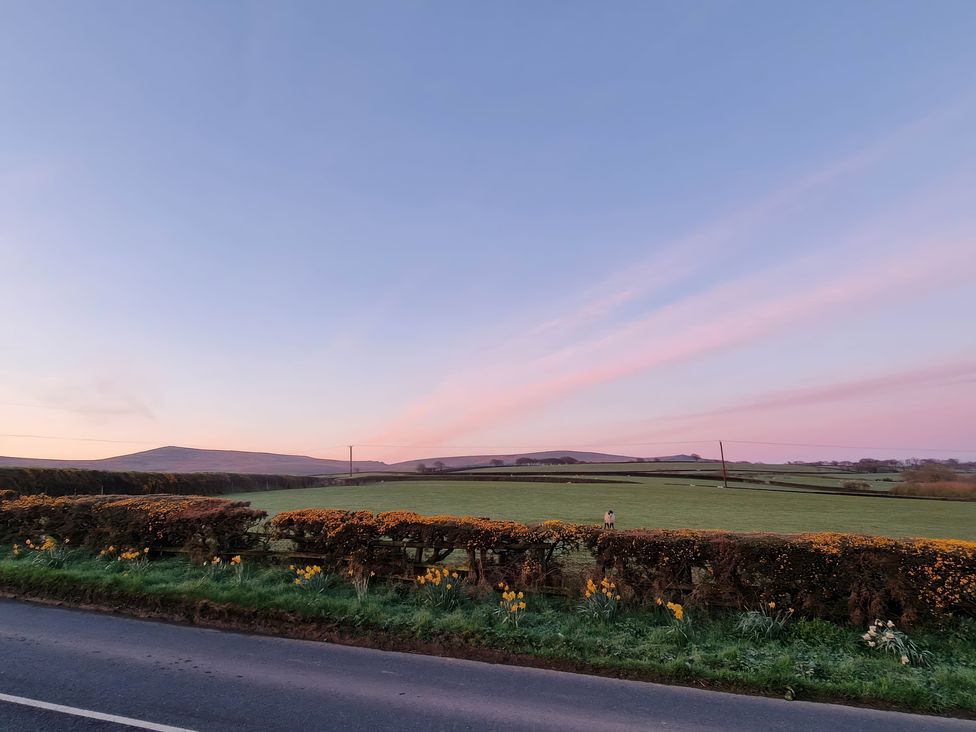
[169, 677]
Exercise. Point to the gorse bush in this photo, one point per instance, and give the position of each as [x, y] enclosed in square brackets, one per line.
[201, 526]
[821, 575]
[334, 535]
[496, 550]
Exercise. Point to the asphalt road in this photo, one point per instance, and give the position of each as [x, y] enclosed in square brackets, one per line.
[198, 679]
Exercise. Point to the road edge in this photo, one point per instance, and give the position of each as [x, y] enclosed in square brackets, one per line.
[282, 624]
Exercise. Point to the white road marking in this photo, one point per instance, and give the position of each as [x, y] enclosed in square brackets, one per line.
[138, 723]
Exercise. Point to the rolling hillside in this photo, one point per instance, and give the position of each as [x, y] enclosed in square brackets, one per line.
[192, 460]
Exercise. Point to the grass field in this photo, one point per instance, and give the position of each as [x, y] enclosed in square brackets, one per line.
[710, 466]
[809, 475]
[646, 502]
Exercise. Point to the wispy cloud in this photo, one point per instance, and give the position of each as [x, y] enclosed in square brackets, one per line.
[600, 337]
[100, 397]
[727, 316]
[954, 373]
[685, 256]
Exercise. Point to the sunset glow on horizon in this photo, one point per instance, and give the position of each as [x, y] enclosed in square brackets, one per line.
[433, 230]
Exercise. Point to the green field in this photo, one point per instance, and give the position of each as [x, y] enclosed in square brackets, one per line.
[644, 502]
[808, 475]
[669, 466]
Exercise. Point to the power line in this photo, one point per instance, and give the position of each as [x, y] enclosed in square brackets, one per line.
[80, 439]
[561, 446]
[852, 447]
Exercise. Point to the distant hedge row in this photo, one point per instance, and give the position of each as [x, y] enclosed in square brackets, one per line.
[200, 525]
[821, 575]
[68, 482]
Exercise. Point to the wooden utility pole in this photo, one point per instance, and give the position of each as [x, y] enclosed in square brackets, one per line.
[725, 472]
[350, 461]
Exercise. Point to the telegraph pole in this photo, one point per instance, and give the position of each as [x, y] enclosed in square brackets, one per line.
[350, 461]
[725, 472]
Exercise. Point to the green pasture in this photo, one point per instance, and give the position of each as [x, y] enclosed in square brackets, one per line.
[643, 502]
[810, 475]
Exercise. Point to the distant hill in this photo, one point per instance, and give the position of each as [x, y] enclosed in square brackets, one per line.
[192, 460]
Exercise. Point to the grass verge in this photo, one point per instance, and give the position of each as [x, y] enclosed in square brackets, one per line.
[813, 660]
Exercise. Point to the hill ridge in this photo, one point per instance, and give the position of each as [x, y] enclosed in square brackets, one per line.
[177, 459]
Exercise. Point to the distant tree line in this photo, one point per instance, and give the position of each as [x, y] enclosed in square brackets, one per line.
[67, 482]
[440, 466]
[565, 460]
[891, 465]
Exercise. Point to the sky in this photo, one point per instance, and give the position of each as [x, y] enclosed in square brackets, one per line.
[436, 228]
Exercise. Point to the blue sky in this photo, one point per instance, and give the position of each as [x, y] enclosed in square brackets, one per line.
[294, 226]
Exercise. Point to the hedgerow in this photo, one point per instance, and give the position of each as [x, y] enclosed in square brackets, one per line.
[495, 550]
[334, 535]
[201, 526]
[822, 575]
[71, 481]
[832, 576]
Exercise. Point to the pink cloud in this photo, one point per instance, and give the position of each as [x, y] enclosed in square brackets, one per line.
[685, 255]
[940, 375]
[686, 330]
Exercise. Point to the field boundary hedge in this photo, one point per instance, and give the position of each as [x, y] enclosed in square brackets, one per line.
[201, 526]
[824, 575]
[832, 576]
[75, 481]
